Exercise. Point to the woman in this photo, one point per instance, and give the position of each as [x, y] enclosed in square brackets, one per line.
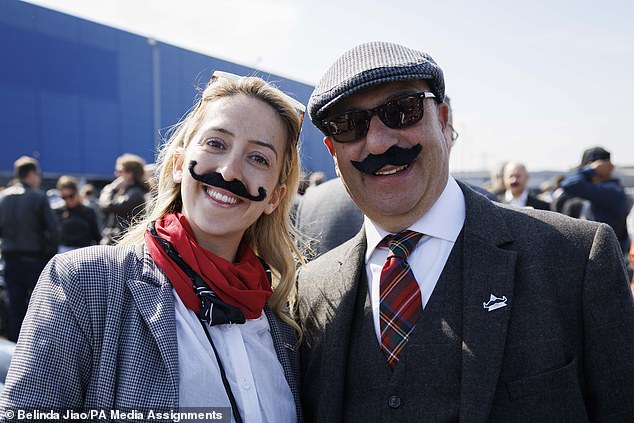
[123, 199]
[128, 327]
[78, 223]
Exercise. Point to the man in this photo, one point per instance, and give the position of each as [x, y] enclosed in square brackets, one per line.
[447, 306]
[608, 202]
[28, 230]
[517, 194]
[326, 217]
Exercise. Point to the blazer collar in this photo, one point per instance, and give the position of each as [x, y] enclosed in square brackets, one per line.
[152, 294]
[489, 269]
[341, 296]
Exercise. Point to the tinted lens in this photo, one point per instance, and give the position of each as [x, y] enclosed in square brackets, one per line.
[348, 127]
[402, 112]
[398, 113]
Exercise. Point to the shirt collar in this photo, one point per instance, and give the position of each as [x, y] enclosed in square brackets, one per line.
[444, 219]
[519, 201]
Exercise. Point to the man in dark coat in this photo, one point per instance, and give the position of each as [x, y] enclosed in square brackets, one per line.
[447, 306]
[608, 202]
[28, 230]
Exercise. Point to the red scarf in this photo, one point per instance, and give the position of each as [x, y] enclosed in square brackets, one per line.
[243, 284]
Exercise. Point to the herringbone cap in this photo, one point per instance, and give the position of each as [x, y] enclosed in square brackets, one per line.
[371, 64]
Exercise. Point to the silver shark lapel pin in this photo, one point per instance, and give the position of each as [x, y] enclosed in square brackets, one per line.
[494, 303]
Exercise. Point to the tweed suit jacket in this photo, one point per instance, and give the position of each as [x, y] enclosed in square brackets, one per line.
[100, 333]
[561, 350]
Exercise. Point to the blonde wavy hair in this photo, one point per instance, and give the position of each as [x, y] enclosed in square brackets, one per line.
[271, 236]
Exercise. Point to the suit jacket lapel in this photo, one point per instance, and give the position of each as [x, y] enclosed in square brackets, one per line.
[341, 296]
[153, 297]
[488, 270]
[285, 344]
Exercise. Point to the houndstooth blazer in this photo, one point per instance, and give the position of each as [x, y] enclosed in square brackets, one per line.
[100, 333]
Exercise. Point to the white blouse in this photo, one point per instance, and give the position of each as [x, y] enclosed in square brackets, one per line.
[251, 365]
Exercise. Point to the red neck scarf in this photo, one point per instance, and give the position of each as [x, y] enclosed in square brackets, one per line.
[243, 284]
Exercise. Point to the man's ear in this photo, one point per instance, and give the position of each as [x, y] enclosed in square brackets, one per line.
[177, 165]
[443, 115]
[328, 142]
[331, 149]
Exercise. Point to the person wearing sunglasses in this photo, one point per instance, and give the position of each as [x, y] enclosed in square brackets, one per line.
[189, 313]
[447, 306]
[77, 223]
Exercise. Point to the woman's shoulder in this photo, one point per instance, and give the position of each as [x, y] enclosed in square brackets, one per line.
[102, 253]
[99, 263]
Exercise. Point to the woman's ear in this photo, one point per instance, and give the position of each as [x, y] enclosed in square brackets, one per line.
[276, 197]
[177, 165]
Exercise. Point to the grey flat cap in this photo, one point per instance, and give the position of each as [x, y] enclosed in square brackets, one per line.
[371, 64]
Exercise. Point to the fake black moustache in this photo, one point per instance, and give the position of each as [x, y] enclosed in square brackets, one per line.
[235, 187]
[395, 156]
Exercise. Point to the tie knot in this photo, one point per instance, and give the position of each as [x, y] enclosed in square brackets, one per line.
[402, 243]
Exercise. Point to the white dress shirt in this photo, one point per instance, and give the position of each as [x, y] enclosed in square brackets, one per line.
[516, 201]
[440, 227]
[247, 353]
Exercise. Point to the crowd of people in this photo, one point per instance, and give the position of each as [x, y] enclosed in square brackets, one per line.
[34, 226]
[391, 293]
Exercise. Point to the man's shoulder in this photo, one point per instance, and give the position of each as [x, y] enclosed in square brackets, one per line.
[546, 226]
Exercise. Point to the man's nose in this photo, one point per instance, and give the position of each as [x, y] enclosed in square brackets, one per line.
[379, 137]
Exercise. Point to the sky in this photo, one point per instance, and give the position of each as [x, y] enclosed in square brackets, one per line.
[533, 81]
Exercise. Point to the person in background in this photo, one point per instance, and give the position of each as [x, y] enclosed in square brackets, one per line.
[123, 199]
[608, 202]
[326, 217]
[29, 235]
[517, 193]
[77, 222]
[191, 308]
[495, 184]
[315, 179]
[447, 306]
[89, 199]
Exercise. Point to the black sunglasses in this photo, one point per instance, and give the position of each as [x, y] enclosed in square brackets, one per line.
[397, 113]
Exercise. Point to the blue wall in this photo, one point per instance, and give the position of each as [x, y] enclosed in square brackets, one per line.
[76, 94]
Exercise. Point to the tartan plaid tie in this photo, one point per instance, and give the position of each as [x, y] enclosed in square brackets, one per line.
[400, 302]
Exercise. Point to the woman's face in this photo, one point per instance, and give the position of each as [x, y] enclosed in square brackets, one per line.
[243, 139]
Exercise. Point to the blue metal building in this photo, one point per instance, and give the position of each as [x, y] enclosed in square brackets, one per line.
[76, 94]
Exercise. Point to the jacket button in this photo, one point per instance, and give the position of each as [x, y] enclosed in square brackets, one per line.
[394, 401]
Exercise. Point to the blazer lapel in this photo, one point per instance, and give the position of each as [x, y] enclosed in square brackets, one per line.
[488, 270]
[153, 297]
[341, 296]
[285, 344]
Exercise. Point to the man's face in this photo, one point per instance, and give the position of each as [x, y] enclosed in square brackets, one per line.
[515, 178]
[34, 179]
[602, 169]
[395, 200]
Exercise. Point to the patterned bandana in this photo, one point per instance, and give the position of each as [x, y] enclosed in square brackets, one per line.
[230, 292]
